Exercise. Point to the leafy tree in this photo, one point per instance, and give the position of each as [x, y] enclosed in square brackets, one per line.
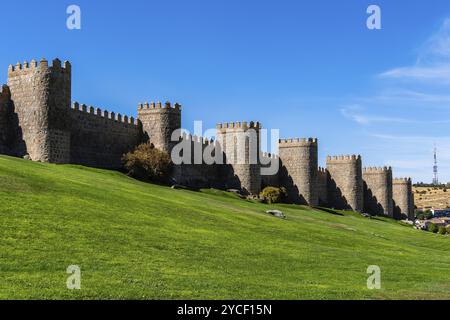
[424, 215]
[273, 194]
[148, 163]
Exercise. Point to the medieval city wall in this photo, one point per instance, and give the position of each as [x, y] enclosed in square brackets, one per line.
[345, 185]
[41, 95]
[322, 186]
[403, 198]
[7, 131]
[193, 170]
[378, 191]
[240, 143]
[100, 138]
[37, 121]
[270, 169]
[159, 122]
[299, 165]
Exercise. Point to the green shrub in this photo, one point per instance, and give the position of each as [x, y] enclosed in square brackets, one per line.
[148, 163]
[442, 230]
[424, 215]
[432, 228]
[273, 195]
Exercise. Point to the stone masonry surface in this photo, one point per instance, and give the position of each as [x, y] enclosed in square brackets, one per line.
[39, 121]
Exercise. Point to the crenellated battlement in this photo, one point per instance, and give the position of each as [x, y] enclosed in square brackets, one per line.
[239, 125]
[378, 191]
[77, 107]
[53, 130]
[159, 122]
[322, 170]
[43, 64]
[158, 106]
[197, 139]
[298, 142]
[267, 155]
[322, 186]
[346, 187]
[42, 91]
[299, 164]
[402, 181]
[343, 158]
[240, 142]
[384, 169]
[403, 198]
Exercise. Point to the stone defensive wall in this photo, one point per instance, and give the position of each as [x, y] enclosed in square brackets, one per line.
[244, 125]
[271, 162]
[5, 106]
[403, 198]
[7, 134]
[159, 122]
[24, 68]
[345, 185]
[100, 138]
[344, 159]
[193, 170]
[240, 143]
[322, 186]
[299, 169]
[298, 142]
[37, 121]
[5, 95]
[378, 191]
[41, 93]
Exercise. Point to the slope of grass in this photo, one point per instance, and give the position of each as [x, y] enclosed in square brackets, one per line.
[140, 241]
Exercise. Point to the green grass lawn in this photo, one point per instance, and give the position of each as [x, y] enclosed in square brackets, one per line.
[140, 241]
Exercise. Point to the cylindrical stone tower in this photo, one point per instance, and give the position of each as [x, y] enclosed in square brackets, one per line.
[345, 185]
[240, 143]
[42, 96]
[378, 191]
[299, 170]
[159, 123]
[403, 198]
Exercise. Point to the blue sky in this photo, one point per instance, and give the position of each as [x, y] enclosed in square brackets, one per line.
[309, 68]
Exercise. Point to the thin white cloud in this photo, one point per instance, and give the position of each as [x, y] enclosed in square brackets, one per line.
[410, 97]
[437, 48]
[411, 100]
[356, 114]
[411, 137]
[433, 62]
[416, 96]
[434, 73]
[370, 119]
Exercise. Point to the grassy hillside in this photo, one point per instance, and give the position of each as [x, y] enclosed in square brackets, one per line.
[139, 241]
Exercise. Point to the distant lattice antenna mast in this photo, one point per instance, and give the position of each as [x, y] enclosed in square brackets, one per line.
[435, 168]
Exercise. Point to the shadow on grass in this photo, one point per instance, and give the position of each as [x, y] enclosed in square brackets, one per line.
[327, 210]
